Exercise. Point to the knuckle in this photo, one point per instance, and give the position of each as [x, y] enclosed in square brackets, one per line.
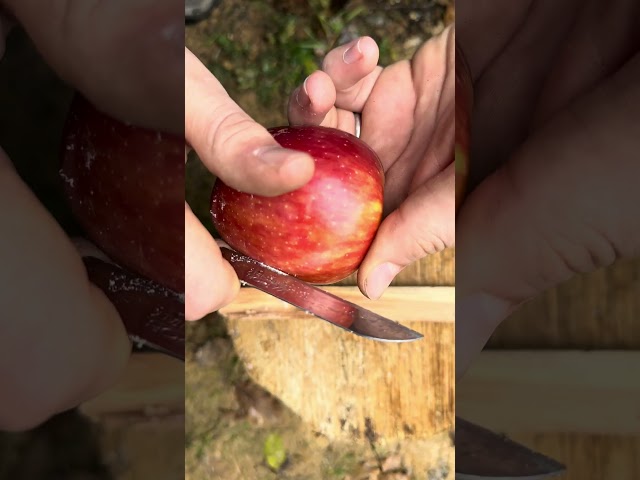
[233, 128]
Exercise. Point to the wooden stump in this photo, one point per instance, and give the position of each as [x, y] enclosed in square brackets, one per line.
[141, 419]
[347, 387]
[571, 391]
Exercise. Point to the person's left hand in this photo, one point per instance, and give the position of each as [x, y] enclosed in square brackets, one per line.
[407, 114]
[61, 340]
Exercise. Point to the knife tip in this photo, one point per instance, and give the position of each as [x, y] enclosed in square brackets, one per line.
[400, 339]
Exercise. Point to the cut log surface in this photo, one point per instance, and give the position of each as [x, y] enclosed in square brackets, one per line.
[142, 419]
[536, 392]
[599, 310]
[347, 386]
[572, 394]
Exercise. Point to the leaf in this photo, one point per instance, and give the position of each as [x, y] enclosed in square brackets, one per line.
[336, 24]
[224, 42]
[274, 452]
[287, 32]
[353, 14]
[309, 65]
[311, 45]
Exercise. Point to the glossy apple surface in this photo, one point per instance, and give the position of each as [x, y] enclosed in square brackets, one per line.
[125, 186]
[464, 105]
[321, 231]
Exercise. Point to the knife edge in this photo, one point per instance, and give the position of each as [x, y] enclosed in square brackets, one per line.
[315, 301]
[483, 454]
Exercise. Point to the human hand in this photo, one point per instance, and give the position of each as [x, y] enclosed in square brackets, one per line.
[407, 114]
[121, 55]
[246, 157]
[61, 341]
[553, 153]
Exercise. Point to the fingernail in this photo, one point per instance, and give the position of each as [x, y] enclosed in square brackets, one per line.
[352, 54]
[272, 155]
[281, 158]
[379, 279]
[305, 101]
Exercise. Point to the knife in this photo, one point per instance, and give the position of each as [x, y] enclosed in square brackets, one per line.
[153, 315]
[483, 455]
[315, 301]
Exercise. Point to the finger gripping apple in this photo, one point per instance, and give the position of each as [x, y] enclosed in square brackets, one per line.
[320, 232]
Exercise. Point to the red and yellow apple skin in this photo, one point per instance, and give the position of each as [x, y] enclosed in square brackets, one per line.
[464, 105]
[320, 232]
[125, 186]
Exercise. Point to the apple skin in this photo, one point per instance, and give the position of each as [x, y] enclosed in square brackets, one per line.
[125, 186]
[464, 106]
[320, 232]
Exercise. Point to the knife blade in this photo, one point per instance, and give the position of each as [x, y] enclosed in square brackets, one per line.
[315, 301]
[482, 454]
[153, 315]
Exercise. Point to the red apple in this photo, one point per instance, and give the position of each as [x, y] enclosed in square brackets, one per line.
[464, 105]
[320, 232]
[125, 186]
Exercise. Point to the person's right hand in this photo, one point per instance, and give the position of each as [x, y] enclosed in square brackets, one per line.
[246, 157]
[61, 340]
[555, 136]
[407, 111]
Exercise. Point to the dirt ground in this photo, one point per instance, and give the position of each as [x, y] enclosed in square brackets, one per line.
[260, 50]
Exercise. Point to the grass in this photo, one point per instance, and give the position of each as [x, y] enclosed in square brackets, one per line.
[291, 48]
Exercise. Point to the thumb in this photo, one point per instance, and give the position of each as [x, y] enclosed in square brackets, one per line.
[421, 226]
[233, 146]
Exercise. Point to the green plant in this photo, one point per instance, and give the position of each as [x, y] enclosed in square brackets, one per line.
[274, 452]
[333, 24]
[293, 48]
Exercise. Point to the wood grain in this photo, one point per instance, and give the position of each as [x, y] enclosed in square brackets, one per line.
[600, 310]
[345, 386]
[402, 304]
[580, 408]
[541, 391]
